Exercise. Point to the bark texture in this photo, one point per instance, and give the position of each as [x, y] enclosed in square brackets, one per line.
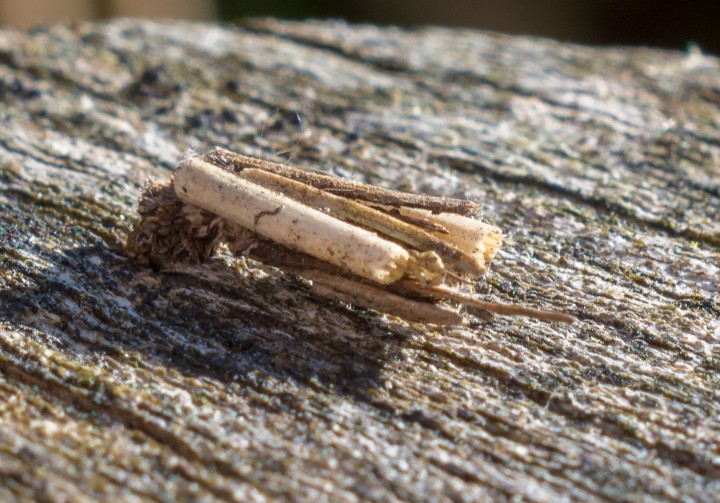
[229, 381]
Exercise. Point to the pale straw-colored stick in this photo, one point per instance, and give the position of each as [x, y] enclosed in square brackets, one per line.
[352, 211]
[288, 222]
[443, 292]
[359, 294]
[478, 239]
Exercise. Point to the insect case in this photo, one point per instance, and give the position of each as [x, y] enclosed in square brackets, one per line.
[394, 252]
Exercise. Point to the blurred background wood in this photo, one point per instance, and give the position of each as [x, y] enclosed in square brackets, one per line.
[657, 23]
[228, 381]
[29, 13]
[185, 9]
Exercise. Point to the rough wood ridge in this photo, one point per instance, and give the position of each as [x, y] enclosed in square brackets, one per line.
[229, 381]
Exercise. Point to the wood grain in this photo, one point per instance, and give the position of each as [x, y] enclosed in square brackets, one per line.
[230, 381]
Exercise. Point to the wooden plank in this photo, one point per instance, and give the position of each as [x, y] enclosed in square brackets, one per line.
[228, 381]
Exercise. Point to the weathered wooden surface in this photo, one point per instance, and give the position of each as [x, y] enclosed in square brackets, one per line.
[229, 382]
